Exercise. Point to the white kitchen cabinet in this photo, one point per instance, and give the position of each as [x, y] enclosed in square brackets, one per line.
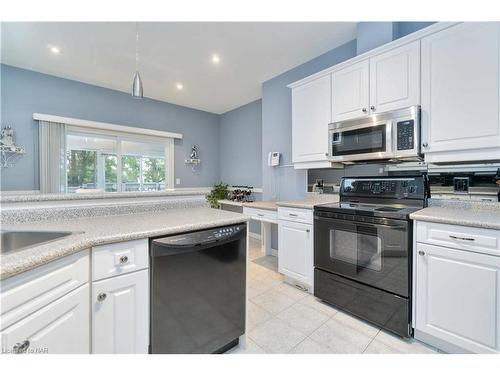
[460, 93]
[295, 256]
[458, 297]
[120, 314]
[311, 114]
[395, 78]
[61, 327]
[350, 91]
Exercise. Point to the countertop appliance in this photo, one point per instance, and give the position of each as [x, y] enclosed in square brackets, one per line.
[362, 249]
[391, 135]
[197, 291]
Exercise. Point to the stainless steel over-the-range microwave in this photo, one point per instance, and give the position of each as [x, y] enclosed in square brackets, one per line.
[391, 135]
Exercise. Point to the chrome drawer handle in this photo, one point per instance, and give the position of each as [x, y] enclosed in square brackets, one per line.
[260, 214]
[101, 297]
[462, 238]
[21, 347]
[123, 259]
[420, 252]
[293, 215]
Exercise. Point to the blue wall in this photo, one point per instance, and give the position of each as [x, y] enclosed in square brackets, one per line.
[240, 151]
[25, 92]
[371, 35]
[404, 28]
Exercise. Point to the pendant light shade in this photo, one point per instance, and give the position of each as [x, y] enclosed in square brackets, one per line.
[137, 91]
[137, 86]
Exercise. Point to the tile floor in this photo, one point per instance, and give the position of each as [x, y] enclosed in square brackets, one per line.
[283, 319]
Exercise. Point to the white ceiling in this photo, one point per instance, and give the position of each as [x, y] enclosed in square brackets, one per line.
[103, 54]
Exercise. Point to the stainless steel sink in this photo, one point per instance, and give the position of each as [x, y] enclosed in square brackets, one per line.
[17, 240]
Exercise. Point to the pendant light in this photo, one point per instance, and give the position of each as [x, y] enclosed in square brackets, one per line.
[137, 83]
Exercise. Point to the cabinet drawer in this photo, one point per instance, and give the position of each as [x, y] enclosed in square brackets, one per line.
[28, 292]
[479, 240]
[299, 215]
[484, 198]
[61, 327]
[119, 258]
[259, 214]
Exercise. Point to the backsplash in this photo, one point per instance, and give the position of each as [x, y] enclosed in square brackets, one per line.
[331, 177]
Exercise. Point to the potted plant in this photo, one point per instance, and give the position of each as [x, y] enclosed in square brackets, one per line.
[218, 192]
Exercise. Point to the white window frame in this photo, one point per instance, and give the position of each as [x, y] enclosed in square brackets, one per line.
[120, 136]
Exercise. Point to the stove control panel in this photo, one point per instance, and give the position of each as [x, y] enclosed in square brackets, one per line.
[388, 187]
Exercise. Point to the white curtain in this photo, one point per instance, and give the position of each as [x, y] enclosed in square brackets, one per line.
[52, 154]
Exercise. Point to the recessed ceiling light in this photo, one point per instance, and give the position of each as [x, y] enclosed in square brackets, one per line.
[215, 58]
[179, 86]
[55, 50]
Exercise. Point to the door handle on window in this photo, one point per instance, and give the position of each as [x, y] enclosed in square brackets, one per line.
[462, 238]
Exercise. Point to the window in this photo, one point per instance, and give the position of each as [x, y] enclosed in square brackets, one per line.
[117, 162]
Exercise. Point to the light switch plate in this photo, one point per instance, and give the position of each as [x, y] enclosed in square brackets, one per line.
[177, 181]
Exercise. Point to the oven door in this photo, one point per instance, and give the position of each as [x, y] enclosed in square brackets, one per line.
[373, 254]
[360, 141]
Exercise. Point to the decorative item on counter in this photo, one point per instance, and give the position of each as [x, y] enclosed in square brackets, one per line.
[318, 186]
[241, 193]
[219, 191]
[10, 153]
[193, 160]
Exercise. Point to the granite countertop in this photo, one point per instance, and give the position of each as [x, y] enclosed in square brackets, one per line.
[108, 229]
[310, 201]
[230, 202]
[262, 205]
[467, 216]
[13, 198]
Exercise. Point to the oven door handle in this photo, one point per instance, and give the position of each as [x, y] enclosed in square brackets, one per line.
[362, 223]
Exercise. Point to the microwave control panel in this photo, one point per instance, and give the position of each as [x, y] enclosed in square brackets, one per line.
[405, 135]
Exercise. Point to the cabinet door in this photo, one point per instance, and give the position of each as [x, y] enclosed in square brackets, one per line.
[460, 91]
[120, 321]
[458, 297]
[311, 114]
[61, 327]
[295, 258]
[395, 79]
[350, 94]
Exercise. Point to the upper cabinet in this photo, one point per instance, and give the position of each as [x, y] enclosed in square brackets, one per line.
[350, 93]
[460, 93]
[385, 82]
[311, 114]
[395, 78]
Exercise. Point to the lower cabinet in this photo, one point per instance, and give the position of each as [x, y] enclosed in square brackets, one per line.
[120, 314]
[295, 257]
[458, 297]
[60, 327]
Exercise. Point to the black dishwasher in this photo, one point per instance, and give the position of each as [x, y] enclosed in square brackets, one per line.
[197, 291]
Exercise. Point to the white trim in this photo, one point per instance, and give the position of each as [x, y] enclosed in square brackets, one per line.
[105, 126]
[417, 35]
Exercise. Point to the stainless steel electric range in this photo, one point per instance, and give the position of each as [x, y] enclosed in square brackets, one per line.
[362, 249]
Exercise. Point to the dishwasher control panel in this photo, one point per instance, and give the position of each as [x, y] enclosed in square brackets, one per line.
[200, 237]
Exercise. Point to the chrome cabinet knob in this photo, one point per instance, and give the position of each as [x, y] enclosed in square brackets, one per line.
[364, 110]
[101, 297]
[21, 347]
[123, 259]
[425, 144]
[420, 252]
[372, 108]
